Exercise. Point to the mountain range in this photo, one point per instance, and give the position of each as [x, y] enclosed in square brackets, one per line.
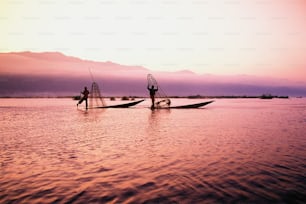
[55, 74]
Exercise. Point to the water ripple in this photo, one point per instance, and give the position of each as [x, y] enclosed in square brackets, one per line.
[241, 151]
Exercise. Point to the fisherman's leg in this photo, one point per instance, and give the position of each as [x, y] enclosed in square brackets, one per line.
[86, 101]
[81, 101]
[152, 99]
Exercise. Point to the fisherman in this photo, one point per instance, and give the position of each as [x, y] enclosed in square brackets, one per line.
[85, 97]
[152, 91]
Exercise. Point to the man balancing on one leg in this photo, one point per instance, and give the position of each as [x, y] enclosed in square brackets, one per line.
[152, 91]
[85, 97]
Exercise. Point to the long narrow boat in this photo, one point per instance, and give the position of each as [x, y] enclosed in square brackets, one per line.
[97, 101]
[195, 105]
[125, 105]
[189, 106]
[161, 99]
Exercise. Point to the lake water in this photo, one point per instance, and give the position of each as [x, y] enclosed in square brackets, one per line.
[231, 151]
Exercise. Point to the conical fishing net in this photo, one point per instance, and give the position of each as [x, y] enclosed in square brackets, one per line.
[161, 99]
[96, 99]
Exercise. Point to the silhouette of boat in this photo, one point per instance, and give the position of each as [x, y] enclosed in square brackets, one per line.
[125, 105]
[266, 96]
[77, 98]
[195, 105]
[97, 101]
[163, 101]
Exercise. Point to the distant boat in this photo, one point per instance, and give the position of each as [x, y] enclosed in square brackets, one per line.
[269, 96]
[266, 96]
[285, 97]
[124, 98]
[76, 98]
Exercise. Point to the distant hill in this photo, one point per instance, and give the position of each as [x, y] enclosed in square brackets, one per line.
[46, 63]
[55, 74]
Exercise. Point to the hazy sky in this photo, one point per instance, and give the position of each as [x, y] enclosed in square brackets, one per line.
[228, 37]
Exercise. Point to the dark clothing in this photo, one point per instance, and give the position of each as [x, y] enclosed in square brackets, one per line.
[84, 98]
[85, 93]
[152, 94]
[152, 91]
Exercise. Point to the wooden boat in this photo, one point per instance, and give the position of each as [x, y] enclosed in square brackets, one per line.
[125, 105]
[189, 106]
[97, 101]
[195, 105]
[163, 102]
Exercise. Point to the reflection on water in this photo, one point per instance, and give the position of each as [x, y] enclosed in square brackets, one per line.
[248, 151]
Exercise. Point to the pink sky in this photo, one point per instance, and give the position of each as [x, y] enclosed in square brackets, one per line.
[252, 37]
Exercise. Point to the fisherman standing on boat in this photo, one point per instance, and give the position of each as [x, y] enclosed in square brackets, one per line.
[152, 91]
[85, 97]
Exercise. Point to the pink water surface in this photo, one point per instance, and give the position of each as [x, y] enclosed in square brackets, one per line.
[233, 150]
